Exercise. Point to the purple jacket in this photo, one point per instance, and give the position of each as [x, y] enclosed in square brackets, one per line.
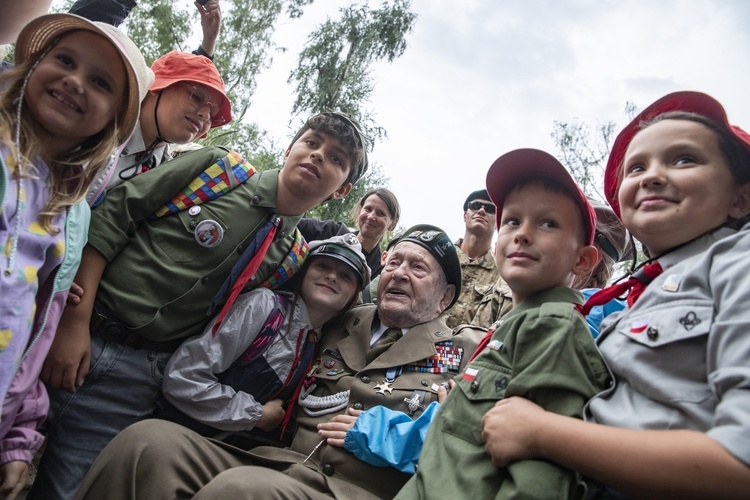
[26, 403]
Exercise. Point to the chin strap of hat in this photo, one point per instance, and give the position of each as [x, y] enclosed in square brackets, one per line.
[20, 171]
[159, 137]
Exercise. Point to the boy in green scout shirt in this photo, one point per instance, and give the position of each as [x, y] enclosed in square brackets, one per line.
[541, 349]
[161, 247]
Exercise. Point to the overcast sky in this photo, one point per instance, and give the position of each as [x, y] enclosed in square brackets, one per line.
[480, 78]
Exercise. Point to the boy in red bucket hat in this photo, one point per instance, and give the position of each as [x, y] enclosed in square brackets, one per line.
[186, 99]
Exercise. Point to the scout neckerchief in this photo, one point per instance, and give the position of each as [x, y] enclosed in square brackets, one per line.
[637, 283]
[301, 363]
[245, 268]
[292, 262]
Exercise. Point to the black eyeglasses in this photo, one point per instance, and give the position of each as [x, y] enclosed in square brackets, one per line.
[476, 205]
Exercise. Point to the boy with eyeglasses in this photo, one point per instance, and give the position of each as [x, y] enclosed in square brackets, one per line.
[186, 99]
[478, 269]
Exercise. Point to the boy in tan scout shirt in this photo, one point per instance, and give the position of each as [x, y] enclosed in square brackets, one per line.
[541, 349]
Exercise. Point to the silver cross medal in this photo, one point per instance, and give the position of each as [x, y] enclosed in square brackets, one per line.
[413, 403]
[385, 386]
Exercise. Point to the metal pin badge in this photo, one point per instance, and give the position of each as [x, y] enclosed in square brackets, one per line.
[194, 210]
[209, 233]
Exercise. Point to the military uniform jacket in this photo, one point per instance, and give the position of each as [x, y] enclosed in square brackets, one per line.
[477, 277]
[542, 350]
[494, 305]
[159, 280]
[342, 350]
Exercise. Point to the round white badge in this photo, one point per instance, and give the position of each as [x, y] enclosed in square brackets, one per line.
[209, 233]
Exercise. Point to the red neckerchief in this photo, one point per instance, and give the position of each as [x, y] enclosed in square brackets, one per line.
[636, 284]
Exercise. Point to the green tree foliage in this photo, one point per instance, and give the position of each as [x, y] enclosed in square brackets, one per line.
[334, 73]
[334, 68]
[584, 150]
[158, 26]
[243, 50]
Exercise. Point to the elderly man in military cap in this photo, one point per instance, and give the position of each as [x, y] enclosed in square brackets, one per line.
[396, 354]
[478, 268]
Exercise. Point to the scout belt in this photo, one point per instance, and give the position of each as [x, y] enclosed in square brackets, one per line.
[113, 330]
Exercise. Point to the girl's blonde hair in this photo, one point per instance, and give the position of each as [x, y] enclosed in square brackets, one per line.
[68, 186]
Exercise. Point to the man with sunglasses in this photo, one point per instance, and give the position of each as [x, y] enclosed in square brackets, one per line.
[478, 268]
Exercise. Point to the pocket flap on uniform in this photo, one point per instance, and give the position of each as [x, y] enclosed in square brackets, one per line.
[655, 327]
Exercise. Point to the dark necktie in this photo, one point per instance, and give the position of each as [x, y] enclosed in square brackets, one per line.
[636, 284]
[390, 336]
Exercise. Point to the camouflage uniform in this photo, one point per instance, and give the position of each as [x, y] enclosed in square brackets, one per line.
[478, 275]
[496, 302]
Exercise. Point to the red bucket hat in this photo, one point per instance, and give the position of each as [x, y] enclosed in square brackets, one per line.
[521, 164]
[687, 101]
[175, 67]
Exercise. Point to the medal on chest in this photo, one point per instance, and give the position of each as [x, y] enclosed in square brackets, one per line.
[414, 403]
[387, 384]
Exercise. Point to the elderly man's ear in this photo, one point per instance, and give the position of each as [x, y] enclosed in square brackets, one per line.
[448, 294]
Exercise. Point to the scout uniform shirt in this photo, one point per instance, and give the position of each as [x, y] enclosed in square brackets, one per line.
[477, 277]
[681, 355]
[541, 350]
[160, 279]
[343, 379]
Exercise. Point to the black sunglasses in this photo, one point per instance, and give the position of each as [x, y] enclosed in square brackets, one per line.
[476, 205]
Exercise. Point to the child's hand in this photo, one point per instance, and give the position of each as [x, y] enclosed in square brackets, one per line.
[67, 362]
[509, 430]
[12, 479]
[273, 414]
[74, 297]
[210, 24]
[445, 387]
[335, 431]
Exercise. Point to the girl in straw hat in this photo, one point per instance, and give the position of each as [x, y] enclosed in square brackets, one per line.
[72, 97]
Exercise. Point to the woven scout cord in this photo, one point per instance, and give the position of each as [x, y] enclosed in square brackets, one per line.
[291, 264]
[216, 180]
